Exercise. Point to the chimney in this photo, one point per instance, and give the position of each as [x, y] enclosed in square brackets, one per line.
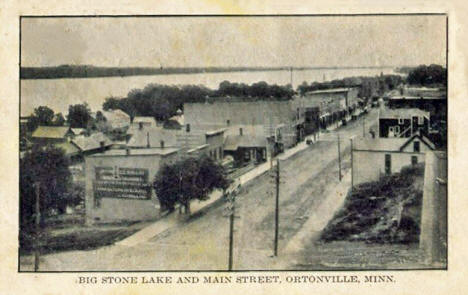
[162, 144]
[101, 144]
[147, 140]
[187, 128]
[127, 151]
[140, 125]
[240, 132]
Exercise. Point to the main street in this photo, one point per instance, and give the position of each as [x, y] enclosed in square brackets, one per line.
[202, 242]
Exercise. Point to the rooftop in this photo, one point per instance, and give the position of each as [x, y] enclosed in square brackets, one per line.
[391, 144]
[86, 143]
[334, 90]
[402, 113]
[50, 132]
[137, 152]
[233, 142]
[154, 135]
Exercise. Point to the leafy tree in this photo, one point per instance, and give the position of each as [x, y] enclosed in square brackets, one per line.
[187, 180]
[79, 115]
[59, 120]
[42, 116]
[428, 75]
[47, 166]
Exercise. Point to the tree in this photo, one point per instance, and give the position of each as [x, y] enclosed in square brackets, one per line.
[59, 120]
[47, 166]
[79, 115]
[187, 180]
[42, 116]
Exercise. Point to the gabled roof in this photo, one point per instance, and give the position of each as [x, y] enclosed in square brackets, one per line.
[233, 142]
[50, 132]
[155, 136]
[68, 147]
[78, 131]
[422, 138]
[390, 144]
[116, 115]
[402, 113]
[86, 143]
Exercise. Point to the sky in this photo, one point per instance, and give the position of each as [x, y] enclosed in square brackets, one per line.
[234, 41]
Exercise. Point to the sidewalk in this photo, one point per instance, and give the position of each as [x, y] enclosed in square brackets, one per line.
[172, 219]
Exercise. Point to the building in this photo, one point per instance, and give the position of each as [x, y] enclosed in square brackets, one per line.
[432, 100]
[403, 122]
[282, 120]
[117, 119]
[51, 134]
[119, 184]
[375, 157]
[246, 149]
[325, 107]
[153, 137]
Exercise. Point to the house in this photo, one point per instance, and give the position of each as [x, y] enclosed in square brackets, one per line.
[403, 122]
[117, 119]
[262, 117]
[119, 184]
[51, 134]
[374, 157]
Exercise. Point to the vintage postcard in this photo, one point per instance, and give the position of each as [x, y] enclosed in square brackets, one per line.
[282, 151]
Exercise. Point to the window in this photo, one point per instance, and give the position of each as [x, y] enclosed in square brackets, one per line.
[228, 122]
[416, 147]
[420, 120]
[414, 160]
[388, 164]
[397, 130]
[401, 121]
[264, 154]
[246, 155]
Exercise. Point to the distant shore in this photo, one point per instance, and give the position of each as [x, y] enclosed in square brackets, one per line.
[85, 71]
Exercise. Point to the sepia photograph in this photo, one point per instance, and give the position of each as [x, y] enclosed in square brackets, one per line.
[233, 143]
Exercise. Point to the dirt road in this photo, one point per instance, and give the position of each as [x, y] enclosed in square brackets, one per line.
[202, 242]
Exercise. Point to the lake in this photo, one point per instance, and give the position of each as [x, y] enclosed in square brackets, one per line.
[58, 94]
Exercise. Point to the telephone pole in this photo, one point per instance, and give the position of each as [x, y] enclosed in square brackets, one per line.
[277, 180]
[37, 186]
[231, 229]
[363, 127]
[339, 158]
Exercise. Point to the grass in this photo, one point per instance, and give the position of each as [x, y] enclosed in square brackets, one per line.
[384, 211]
[68, 232]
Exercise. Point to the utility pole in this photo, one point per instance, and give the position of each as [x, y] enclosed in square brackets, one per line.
[363, 127]
[339, 158]
[352, 171]
[231, 229]
[277, 208]
[37, 186]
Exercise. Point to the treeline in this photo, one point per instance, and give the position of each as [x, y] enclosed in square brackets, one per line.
[368, 86]
[428, 75]
[88, 71]
[163, 101]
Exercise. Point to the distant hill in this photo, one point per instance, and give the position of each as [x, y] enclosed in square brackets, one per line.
[88, 71]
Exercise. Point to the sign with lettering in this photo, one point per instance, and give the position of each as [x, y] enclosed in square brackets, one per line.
[119, 182]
